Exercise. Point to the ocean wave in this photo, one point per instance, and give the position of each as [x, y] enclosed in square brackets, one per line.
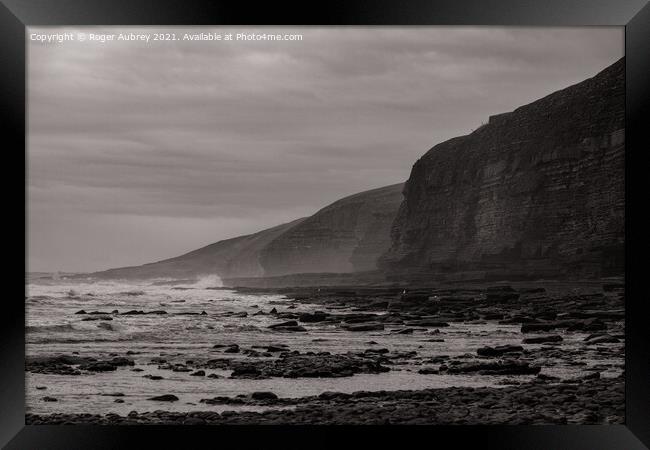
[38, 298]
[205, 282]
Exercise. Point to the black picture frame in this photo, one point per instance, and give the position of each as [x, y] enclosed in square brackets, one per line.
[16, 15]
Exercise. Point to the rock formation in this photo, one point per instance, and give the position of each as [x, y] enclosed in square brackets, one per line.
[537, 192]
[347, 236]
[236, 257]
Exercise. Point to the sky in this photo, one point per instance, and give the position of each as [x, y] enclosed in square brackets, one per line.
[140, 151]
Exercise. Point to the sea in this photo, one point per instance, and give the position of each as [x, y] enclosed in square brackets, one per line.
[201, 314]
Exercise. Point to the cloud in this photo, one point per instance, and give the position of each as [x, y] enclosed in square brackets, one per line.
[257, 133]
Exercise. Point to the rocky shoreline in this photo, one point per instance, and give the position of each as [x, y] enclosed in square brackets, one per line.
[545, 317]
[596, 401]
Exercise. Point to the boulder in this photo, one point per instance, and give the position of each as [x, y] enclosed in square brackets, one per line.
[263, 396]
[495, 368]
[165, 398]
[369, 326]
[542, 339]
[153, 377]
[404, 331]
[100, 366]
[273, 348]
[602, 339]
[317, 316]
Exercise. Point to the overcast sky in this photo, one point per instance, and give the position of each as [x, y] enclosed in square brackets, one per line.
[139, 152]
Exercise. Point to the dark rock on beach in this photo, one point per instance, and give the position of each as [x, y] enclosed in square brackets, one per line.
[153, 377]
[133, 312]
[165, 398]
[543, 339]
[291, 365]
[569, 325]
[369, 326]
[602, 339]
[295, 328]
[290, 323]
[73, 365]
[316, 316]
[427, 323]
[537, 403]
[57, 365]
[499, 350]
[99, 366]
[263, 396]
[506, 367]
[274, 348]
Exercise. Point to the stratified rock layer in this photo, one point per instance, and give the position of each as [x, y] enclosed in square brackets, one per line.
[535, 192]
[346, 236]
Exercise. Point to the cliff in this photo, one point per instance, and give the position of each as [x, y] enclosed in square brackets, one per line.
[236, 257]
[536, 192]
[347, 236]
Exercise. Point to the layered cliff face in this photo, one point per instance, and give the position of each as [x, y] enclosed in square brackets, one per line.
[346, 236]
[237, 257]
[536, 192]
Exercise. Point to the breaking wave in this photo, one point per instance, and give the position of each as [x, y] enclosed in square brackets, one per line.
[207, 281]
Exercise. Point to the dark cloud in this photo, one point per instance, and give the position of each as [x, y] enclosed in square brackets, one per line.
[143, 151]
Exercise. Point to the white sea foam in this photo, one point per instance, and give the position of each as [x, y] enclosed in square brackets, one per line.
[208, 281]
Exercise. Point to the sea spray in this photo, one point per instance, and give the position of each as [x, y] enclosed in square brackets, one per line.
[208, 281]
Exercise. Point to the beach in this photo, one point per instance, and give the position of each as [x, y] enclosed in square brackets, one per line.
[197, 352]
